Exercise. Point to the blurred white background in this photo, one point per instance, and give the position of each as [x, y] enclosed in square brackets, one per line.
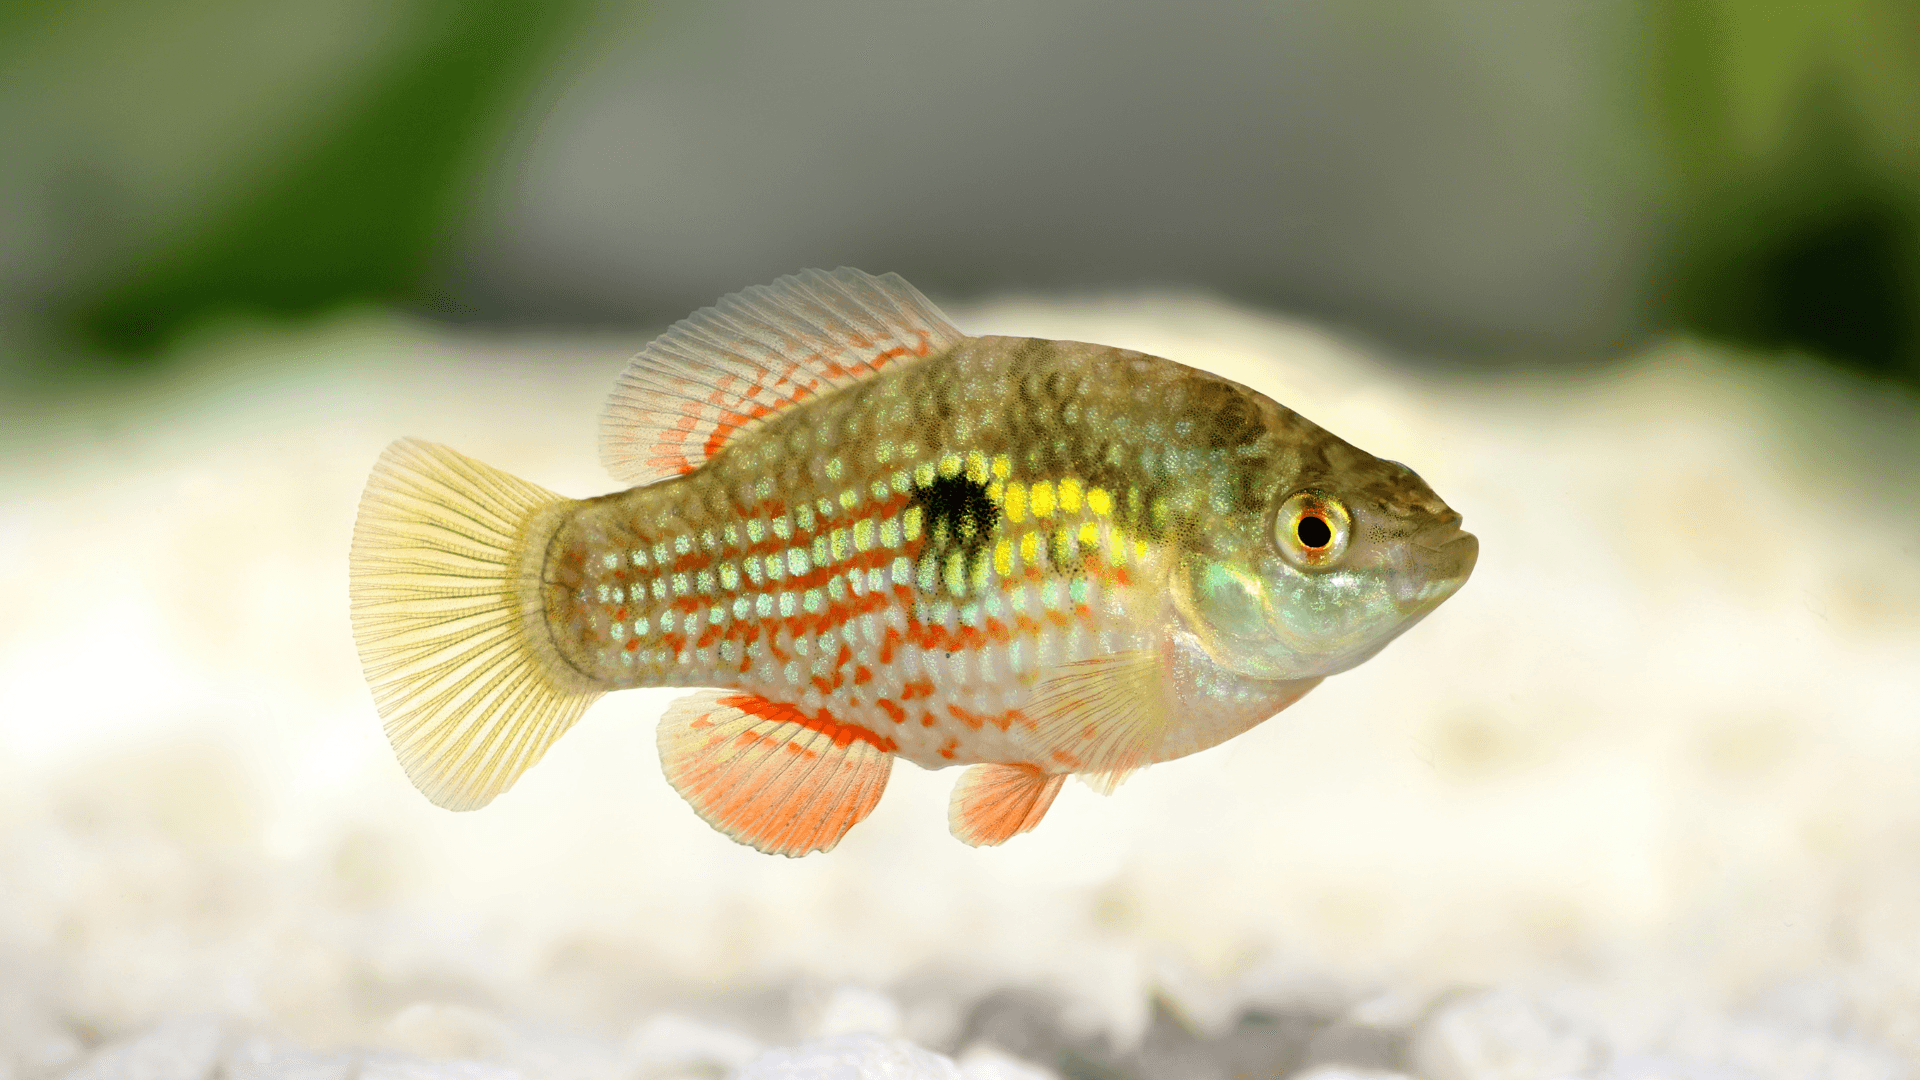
[1634, 283]
[1641, 793]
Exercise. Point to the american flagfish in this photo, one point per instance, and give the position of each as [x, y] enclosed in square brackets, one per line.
[865, 535]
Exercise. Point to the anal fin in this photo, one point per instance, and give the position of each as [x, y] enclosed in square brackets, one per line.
[768, 775]
[994, 803]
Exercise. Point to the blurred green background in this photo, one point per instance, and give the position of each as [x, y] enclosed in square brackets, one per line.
[1473, 180]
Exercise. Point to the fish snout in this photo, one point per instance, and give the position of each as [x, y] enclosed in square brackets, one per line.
[1442, 555]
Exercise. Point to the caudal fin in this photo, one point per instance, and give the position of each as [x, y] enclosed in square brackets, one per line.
[449, 619]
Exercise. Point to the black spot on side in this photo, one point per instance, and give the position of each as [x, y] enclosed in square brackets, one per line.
[956, 516]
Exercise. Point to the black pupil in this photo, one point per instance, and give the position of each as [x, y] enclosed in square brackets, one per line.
[1313, 532]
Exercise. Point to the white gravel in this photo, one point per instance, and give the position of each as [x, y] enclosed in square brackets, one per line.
[1639, 802]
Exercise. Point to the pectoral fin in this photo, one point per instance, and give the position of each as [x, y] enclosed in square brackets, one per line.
[768, 775]
[994, 803]
[1107, 715]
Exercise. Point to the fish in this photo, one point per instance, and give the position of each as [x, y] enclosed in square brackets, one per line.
[857, 534]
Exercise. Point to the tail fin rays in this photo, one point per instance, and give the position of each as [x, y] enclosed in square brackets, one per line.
[449, 619]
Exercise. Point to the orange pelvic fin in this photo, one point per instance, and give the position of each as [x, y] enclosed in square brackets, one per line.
[768, 775]
[994, 803]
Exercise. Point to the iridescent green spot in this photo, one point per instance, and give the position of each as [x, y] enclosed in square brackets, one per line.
[956, 573]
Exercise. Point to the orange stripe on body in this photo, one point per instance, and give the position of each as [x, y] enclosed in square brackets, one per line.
[842, 734]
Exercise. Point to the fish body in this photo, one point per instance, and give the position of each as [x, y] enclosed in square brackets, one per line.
[870, 536]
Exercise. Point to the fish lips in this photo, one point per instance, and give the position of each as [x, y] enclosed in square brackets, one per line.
[1442, 558]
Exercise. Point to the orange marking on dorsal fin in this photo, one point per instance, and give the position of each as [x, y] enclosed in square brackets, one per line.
[994, 803]
[769, 775]
[713, 375]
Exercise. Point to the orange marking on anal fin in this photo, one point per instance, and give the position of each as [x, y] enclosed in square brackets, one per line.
[994, 803]
[768, 775]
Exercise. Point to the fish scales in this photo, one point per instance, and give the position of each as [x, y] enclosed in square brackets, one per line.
[910, 554]
[874, 537]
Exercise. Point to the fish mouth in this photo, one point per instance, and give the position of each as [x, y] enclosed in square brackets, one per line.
[1447, 555]
[1456, 542]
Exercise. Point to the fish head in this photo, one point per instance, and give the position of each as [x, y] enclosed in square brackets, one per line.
[1346, 552]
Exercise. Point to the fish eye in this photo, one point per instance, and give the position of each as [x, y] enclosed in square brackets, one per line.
[1312, 529]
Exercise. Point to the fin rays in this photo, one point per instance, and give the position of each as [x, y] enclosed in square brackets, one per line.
[1106, 715]
[994, 803]
[754, 353]
[758, 772]
[444, 585]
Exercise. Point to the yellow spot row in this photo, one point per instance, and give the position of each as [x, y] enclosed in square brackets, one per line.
[1017, 500]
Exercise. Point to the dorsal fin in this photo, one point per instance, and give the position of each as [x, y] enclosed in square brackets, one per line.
[716, 372]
